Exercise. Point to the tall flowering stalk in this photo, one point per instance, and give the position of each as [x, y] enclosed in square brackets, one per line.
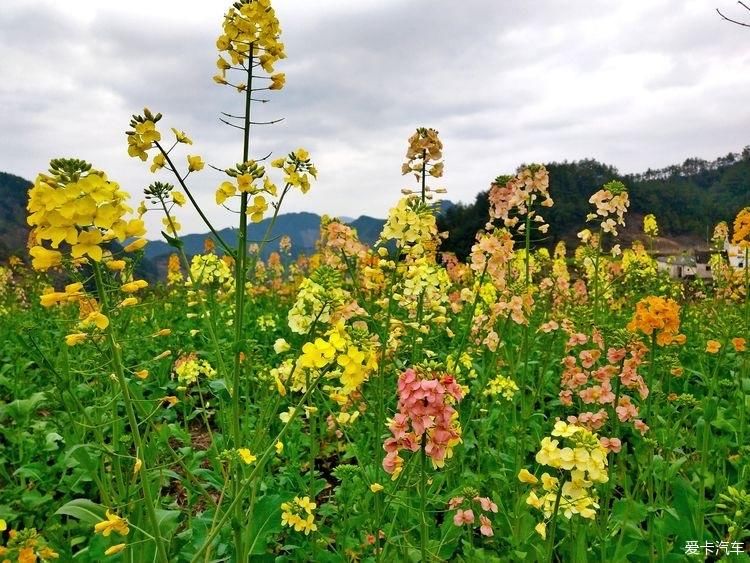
[741, 237]
[424, 158]
[659, 319]
[427, 422]
[78, 206]
[610, 203]
[514, 201]
[581, 461]
[249, 47]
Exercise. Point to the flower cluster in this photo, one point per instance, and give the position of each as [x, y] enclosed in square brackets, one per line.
[637, 265]
[426, 418]
[491, 254]
[299, 514]
[423, 281]
[339, 243]
[354, 361]
[188, 368]
[582, 462]
[163, 196]
[659, 316]
[143, 135]
[250, 24]
[741, 229]
[297, 169]
[412, 225]
[590, 378]
[503, 386]
[78, 206]
[90, 317]
[720, 234]
[315, 302]
[26, 546]
[174, 274]
[210, 270]
[466, 504]
[424, 158]
[462, 367]
[650, 227]
[514, 196]
[611, 203]
[247, 177]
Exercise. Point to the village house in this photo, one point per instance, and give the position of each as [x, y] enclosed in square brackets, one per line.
[697, 264]
[735, 254]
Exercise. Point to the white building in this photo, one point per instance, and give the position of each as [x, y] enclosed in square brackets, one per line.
[735, 254]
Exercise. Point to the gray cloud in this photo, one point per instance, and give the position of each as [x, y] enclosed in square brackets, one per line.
[639, 84]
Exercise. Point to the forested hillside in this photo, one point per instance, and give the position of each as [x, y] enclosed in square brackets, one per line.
[687, 199]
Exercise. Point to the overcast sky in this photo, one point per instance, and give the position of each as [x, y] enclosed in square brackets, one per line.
[636, 84]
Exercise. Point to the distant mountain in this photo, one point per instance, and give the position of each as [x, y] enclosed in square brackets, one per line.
[303, 228]
[13, 229]
[687, 199]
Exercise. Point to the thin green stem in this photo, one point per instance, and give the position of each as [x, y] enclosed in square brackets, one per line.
[423, 533]
[553, 527]
[114, 346]
[173, 168]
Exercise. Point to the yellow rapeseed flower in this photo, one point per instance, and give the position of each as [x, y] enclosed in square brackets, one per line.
[113, 523]
[96, 318]
[136, 245]
[246, 456]
[75, 338]
[195, 163]
[257, 209]
[43, 259]
[277, 81]
[181, 137]
[116, 549]
[525, 476]
[132, 287]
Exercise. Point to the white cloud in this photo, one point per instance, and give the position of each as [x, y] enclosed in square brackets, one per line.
[637, 84]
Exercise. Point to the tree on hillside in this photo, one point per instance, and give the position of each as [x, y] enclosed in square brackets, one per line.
[687, 199]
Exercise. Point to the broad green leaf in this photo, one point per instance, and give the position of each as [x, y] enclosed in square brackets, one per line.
[84, 510]
[266, 521]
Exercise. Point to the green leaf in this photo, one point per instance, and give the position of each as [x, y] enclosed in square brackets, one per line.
[629, 510]
[84, 510]
[685, 499]
[22, 408]
[266, 521]
[171, 241]
[168, 521]
[674, 467]
[53, 440]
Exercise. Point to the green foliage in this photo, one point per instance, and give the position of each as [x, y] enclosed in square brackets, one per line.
[687, 199]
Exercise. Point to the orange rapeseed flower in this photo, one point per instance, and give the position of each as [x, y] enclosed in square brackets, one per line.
[658, 315]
